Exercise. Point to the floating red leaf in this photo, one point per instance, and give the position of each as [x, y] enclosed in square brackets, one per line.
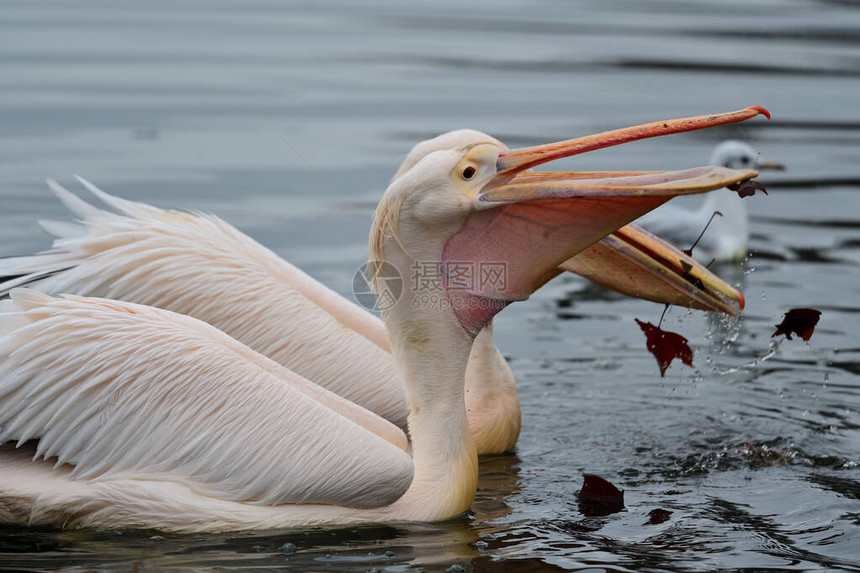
[747, 188]
[595, 489]
[800, 321]
[665, 346]
[658, 516]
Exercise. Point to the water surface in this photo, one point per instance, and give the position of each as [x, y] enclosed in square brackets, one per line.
[288, 120]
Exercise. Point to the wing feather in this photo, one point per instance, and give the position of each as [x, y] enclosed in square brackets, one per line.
[200, 266]
[123, 390]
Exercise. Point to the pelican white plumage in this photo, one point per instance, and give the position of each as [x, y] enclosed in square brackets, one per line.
[728, 235]
[160, 420]
[201, 266]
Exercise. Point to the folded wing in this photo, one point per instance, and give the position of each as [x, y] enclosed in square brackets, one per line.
[120, 390]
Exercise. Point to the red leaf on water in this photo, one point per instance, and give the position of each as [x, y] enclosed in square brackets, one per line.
[747, 188]
[800, 321]
[595, 489]
[658, 516]
[665, 346]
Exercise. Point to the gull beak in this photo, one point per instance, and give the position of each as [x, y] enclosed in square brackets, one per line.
[529, 223]
[769, 166]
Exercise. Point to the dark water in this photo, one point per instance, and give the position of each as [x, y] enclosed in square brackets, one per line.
[288, 120]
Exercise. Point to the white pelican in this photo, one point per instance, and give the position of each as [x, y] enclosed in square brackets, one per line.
[727, 237]
[200, 266]
[160, 420]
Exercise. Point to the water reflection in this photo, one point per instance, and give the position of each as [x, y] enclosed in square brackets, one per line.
[499, 480]
[467, 541]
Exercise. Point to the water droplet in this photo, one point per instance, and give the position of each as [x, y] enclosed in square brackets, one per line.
[288, 548]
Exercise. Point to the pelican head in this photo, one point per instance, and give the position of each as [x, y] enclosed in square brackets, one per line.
[466, 203]
[457, 139]
[436, 188]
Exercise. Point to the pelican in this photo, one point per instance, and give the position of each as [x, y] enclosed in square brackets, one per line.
[200, 266]
[160, 420]
[727, 237]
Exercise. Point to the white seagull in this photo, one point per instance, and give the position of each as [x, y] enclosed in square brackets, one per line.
[727, 237]
[160, 420]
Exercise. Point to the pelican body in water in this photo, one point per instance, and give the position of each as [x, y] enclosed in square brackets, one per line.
[727, 237]
[200, 266]
[160, 420]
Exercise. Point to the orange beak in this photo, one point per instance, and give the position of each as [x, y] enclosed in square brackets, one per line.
[531, 223]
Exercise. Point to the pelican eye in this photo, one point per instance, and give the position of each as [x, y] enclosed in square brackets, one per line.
[469, 172]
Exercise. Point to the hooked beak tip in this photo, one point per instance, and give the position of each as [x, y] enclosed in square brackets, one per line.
[761, 110]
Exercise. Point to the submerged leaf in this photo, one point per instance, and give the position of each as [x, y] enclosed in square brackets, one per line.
[665, 346]
[658, 516]
[800, 321]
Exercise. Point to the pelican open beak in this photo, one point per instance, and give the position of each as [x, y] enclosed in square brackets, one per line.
[527, 223]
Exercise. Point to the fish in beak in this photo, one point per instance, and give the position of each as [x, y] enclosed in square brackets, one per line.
[529, 223]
